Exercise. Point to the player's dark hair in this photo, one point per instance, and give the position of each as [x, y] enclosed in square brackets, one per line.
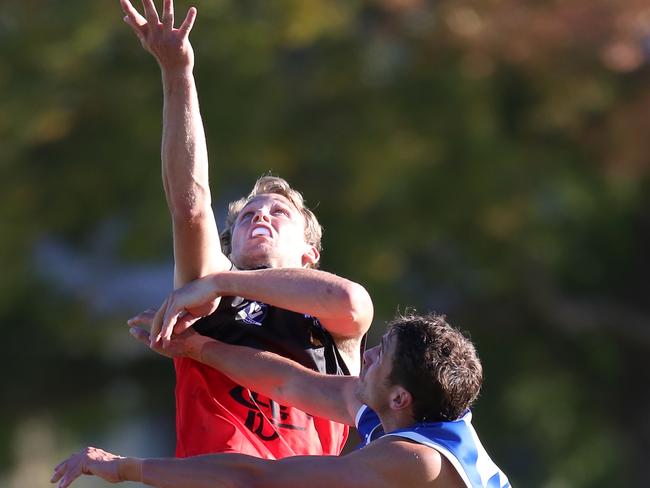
[437, 364]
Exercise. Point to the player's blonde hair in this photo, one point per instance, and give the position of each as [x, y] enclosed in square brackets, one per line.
[279, 186]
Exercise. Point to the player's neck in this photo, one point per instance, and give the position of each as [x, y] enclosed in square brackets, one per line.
[270, 262]
[393, 420]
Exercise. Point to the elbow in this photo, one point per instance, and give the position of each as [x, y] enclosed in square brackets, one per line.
[190, 210]
[187, 202]
[358, 306]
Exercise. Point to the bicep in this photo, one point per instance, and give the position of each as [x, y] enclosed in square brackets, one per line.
[383, 464]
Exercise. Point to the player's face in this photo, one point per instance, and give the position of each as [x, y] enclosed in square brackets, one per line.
[373, 382]
[270, 232]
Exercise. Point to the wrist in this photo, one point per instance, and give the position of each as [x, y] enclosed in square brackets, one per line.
[129, 469]
[223, 284]
[216, 284]
[177, 74]
[195, 346]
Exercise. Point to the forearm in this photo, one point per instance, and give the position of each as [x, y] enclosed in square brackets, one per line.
[359, 470]
[282, 379]
[209, 471]
[184, 150]
[186, 180]
[130, 469]
[343, 306]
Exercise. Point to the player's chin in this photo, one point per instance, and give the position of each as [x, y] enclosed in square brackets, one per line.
[258, 247]
[255, 260]
[359, 393]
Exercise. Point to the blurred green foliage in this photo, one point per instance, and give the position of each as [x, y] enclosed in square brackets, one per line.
[487, 161]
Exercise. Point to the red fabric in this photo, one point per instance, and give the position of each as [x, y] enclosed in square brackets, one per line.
[213, 414]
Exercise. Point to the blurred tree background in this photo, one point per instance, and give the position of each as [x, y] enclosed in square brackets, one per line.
[489, 160]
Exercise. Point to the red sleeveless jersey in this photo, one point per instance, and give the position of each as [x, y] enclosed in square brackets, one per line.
[214, 414]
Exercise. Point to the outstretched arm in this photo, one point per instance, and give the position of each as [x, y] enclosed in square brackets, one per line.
[197, 249]
[383, 464]
[289, 383]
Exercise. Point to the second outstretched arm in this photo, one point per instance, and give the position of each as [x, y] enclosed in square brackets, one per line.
[384, 464]
[287, 382]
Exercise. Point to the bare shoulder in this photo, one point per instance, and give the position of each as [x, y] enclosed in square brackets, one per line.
[389, 462]
[401, 462]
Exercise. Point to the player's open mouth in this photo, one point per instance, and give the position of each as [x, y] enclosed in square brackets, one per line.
[260, 231]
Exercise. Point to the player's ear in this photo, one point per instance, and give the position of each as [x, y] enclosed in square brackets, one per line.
[310, 257]
[400, 398]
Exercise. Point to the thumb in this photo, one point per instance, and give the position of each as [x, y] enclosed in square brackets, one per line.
[184, 323]
[140, 334]
[143, 318]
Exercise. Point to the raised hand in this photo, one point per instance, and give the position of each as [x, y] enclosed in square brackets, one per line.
[170, 46]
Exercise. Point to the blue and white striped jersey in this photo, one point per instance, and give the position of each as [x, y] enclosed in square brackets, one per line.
[456, 441]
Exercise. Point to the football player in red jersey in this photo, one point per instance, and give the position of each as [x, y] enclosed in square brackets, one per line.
[271, 296]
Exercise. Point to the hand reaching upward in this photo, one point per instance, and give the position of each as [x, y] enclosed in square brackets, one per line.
[170, 46]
